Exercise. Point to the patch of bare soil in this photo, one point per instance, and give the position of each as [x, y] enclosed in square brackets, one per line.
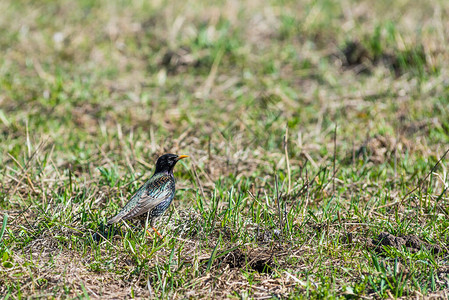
[258, 260]
[377, 149]
[381, 148]
[179, 60]
[357, 57]
[412, 242]
[361, 60]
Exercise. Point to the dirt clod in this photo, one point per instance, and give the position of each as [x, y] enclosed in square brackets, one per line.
[179, 60]
[411, 242]
[259, 261]
[356, 57]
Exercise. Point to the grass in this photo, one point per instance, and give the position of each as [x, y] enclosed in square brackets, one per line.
[317, 133]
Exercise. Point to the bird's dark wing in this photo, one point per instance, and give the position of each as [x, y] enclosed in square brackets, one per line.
[156, 190]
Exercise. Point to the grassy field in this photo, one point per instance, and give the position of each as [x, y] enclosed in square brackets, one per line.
[317, 132]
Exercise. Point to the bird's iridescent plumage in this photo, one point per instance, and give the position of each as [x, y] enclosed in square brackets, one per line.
[156, 195]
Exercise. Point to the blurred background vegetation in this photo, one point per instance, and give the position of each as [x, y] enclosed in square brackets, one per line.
[92, 92]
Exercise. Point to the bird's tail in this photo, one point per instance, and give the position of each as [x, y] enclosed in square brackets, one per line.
[115, 219]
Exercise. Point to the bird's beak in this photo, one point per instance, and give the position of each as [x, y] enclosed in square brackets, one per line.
[181, 157]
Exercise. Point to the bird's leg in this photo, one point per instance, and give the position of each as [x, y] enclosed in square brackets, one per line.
[155, 230]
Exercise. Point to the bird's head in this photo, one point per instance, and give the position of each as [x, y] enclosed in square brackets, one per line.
[167, 162]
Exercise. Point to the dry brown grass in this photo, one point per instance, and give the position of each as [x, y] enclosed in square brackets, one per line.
[91, 93]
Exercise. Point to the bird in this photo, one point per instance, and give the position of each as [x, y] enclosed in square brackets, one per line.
[155, 195]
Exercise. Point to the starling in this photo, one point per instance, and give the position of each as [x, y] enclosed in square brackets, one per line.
[155, 196]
